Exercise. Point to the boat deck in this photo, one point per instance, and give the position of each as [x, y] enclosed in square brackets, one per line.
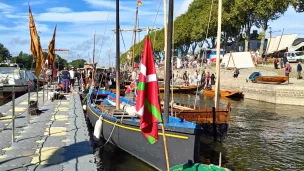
[57, 139]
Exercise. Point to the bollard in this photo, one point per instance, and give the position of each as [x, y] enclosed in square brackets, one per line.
[13, 115]
[28, 102]
[43, 92]
[37, 91]
[214, 124]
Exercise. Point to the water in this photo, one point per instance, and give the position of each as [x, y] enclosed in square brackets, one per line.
[262, 136]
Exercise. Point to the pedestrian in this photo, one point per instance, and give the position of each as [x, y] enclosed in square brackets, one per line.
[236, 73]
[275, 62]
[203, 78]
[299, 70]
[212, 79]
[282, 63]
[78, 75]
[207, 79]
[287, 70]
[66, 80]
[185, 78]
[285, 60]
[72, 78]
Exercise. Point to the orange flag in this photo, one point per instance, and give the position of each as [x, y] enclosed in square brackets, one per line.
[139, 3]
[35, 44]
[51, 49]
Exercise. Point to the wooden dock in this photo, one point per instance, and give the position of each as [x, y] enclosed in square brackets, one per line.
[57, 139]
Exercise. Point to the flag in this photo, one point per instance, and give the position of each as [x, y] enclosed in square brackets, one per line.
[35, 44]
[130, 87]
[139, 3]
[147, 102]
[51, 48]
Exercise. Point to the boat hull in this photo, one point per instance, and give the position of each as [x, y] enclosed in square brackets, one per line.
[271, 79]
[16, 88]
[223, 93]
[188, 89]
[128, 137]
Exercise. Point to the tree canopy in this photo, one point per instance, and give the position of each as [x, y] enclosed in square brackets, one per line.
[238, 16]
[78, 63]
[4, 53]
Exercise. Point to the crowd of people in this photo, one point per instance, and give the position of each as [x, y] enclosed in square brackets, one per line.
[68, 77]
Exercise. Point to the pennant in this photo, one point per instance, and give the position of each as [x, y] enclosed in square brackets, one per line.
[139, 3]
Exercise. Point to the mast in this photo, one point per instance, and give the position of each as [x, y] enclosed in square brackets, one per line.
[218, 48]
[117, 57]
[94, 49]
[134, 41]
[168, 62]
[165, 36]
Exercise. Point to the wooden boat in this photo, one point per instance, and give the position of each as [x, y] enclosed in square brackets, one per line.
[183, 89]
[271, 79]
[197, 167]
[122, 130]
[224, 93]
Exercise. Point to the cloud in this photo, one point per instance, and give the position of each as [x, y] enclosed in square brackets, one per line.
[182, 8]
[5, 8]
[38, 2]
[18, 41]
[59, 10]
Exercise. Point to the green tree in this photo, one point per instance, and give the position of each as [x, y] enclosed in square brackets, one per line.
[298, 5]
[4, 53]
[268, 10]
[78, 63]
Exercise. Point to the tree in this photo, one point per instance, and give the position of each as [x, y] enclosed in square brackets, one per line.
[266, 11]
[78, 63]
[4, 53]
[298, 5]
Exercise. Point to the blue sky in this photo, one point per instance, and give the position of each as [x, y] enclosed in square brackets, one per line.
[77, 20]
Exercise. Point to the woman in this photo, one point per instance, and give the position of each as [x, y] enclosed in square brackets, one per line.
[235, 73]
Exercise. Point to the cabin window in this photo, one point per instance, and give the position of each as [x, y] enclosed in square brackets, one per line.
[292, 55]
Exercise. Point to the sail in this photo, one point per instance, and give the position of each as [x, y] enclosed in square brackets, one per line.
[147, 102]
[35, 44]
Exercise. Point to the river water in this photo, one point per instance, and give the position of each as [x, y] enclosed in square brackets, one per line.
[261, 136]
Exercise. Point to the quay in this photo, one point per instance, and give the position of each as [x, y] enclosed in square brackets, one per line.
[55, 139]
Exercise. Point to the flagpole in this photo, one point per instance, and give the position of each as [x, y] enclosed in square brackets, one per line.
[218, 48]
[165, 147]
[134, 41]
[165, 36]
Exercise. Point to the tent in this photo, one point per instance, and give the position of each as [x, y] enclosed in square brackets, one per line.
[280, 42]
[238, 60]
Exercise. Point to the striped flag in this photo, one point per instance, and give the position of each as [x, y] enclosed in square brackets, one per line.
[147, 102]
[139, 3]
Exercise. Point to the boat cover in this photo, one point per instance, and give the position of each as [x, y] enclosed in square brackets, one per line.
[253, 75]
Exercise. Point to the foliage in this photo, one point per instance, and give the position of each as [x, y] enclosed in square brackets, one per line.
[25, 59]
[78, 63]
[298, 5]
[4, 53]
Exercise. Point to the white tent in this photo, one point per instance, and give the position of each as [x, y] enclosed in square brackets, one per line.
[280, 42]
[238, 60]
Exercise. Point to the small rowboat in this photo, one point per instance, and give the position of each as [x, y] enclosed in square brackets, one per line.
[183, 89]
[271, 79]
[197, 167]
[224, 93]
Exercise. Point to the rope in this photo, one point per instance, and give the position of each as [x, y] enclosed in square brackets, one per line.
[155, 20]
[202, 46]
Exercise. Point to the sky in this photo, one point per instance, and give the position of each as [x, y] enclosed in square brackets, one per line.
[78, 20]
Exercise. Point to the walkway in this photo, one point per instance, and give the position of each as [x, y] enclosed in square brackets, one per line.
[57, 139]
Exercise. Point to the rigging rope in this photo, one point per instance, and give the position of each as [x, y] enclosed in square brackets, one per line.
[202, 46]
[155, 20]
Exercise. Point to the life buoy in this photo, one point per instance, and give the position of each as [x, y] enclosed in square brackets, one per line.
[84, 107]
[97, 129]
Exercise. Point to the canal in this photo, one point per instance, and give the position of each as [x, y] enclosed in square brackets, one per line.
[261, 136]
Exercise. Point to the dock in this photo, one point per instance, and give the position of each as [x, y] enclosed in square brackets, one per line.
[56, 139]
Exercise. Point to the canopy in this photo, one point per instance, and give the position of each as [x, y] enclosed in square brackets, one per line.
[238, 60]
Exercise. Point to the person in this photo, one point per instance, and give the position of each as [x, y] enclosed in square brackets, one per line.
[207, 79]
[236, 73]
[66, 80]
[78, 75]
[185, 78]
[282, 63]
[299, 70]
[275, 62]
[203, 78]
[285, 60]
[287, 69]
[72, 78]
[212, 79]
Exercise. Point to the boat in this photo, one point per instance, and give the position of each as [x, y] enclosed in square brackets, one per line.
[122, 130]
[256, 77]
[184, 89]
[224, 93]
[271, 79]
[197, 167]
[12, 78]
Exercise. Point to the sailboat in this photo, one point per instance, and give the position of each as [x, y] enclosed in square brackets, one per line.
[114, 119]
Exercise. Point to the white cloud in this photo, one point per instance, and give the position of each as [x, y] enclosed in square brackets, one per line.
[59, 10]
[5, 8]
[182, 8]
[86, 16]
[38, 2]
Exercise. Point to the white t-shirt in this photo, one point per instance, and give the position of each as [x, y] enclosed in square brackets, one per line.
[72, 74]
[134, 75]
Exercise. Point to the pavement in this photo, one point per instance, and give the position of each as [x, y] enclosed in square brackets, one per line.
[57, 139]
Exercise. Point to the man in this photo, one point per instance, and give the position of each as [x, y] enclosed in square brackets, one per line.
[299, 70]
[65, 79]
[72, 78]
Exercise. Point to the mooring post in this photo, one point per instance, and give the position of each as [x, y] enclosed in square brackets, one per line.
[37, 91]
[43, 91]
[214, 124]
[13, 115]
[29, 103]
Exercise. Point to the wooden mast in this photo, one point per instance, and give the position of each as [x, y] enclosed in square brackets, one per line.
[94, 49]
[134, 41]
[168, 62]
[117, 57]
[165, 36]
[218, 48]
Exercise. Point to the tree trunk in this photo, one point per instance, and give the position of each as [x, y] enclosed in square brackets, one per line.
[247, 37]
[262, 42]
